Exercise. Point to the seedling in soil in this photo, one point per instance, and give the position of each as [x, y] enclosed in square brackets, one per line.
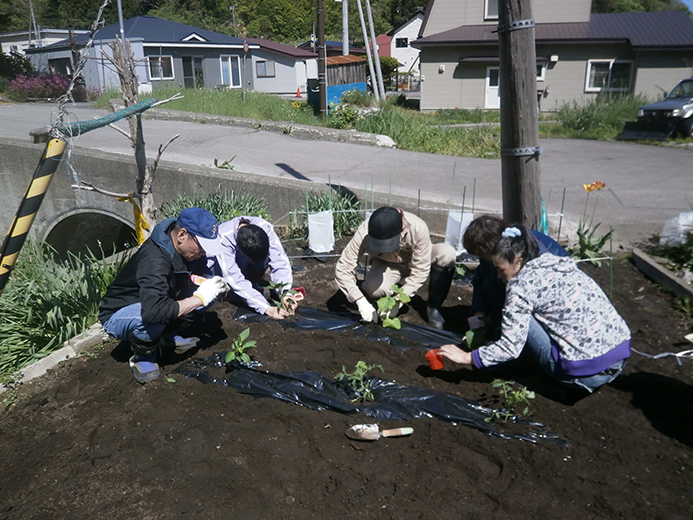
[356, 381]
[478, 337]
[387, 303]
[287, 297]
[514, 395]
[239, 347]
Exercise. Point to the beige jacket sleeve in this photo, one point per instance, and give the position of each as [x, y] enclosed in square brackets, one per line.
[416, 238]
[345, 272]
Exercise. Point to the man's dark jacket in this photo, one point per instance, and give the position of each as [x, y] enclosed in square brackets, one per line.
[156, 276]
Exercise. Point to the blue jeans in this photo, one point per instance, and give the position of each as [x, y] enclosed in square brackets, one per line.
[539, 344]
[129, 320]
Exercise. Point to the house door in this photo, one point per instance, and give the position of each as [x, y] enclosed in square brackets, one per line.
[492, 88]
[193, 74]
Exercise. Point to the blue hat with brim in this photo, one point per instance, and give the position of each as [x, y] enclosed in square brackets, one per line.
[202, 224]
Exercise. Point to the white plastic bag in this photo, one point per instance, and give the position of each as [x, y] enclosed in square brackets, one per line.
[321, 232]
[675, 230]
[457, 225]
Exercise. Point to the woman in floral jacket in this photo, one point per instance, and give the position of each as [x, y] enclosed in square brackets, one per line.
[560, 314]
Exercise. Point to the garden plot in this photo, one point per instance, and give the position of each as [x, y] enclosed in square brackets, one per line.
[86, 441]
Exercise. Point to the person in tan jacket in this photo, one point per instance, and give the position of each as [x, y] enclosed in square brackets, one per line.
[401, 252]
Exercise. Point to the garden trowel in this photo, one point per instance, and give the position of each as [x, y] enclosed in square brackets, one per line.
[371, 432]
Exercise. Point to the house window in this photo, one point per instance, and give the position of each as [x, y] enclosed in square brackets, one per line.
[231, 71]
[401, 43]
[491, 10]
[265, 69]
[60, 66]
[160, 67]
[608, 76]
[541, 71]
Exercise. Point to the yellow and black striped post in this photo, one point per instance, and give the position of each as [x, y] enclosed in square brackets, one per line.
[28, 207]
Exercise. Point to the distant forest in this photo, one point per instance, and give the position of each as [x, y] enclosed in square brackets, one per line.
[287, 21]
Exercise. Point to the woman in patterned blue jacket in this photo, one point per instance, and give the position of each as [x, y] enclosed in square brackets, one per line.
[556, 311]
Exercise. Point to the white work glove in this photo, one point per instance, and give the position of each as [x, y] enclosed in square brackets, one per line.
[210, 289]
[367, 311]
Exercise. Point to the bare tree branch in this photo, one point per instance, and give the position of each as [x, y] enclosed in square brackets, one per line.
[90, 187]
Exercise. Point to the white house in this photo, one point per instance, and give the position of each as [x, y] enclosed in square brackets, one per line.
[400, 43]
[20, 41]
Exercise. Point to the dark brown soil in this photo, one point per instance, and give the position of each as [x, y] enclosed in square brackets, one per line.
[87, 442]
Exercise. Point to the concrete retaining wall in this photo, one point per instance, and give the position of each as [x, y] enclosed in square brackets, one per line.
[116, 173]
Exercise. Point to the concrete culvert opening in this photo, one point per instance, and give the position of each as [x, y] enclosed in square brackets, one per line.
[90, 231]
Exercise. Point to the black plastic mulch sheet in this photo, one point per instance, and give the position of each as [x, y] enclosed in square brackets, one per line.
[409, 336]
[392, 401]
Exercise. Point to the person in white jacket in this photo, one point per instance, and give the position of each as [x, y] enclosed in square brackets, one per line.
[247, 248]
[557, 312]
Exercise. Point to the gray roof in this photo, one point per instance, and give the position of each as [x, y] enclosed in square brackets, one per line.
[281, 48]
[156, 30]
[656, 30]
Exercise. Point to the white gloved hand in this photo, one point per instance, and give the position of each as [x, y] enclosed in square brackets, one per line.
[210, 289]
[367, 311]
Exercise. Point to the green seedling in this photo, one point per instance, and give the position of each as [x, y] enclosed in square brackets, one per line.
[239, 348]
[286, 296]
[387, 303]
[514, 395]
[170, 380]
[356, 381]
[478, 337]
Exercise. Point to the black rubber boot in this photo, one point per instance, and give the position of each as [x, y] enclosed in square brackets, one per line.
[143, 362]
[438, 288]
[142, 347]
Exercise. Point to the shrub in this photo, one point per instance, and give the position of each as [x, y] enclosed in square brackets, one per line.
[25, 87]
[360, 98]
[14, 64]
[343, 116]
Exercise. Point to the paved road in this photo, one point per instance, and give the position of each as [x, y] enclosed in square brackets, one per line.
[646, 185]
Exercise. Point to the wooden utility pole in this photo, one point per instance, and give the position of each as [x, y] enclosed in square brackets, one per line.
[519, 113]
[322, 60]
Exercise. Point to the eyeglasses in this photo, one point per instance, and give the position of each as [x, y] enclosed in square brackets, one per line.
[197, 243]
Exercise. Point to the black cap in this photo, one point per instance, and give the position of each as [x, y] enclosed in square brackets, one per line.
[384, 228]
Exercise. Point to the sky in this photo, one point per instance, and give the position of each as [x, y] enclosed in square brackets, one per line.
[689, 3]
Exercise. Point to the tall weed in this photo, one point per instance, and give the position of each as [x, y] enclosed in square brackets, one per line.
[47, 302]
[411, 133]
[347, 214]
[602, 118]
[224, 205]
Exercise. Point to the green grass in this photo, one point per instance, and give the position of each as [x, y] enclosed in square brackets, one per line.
[257, 105]
[411, 133]
[46, 302]
[223, 205]
[601, 119]
[347, 213]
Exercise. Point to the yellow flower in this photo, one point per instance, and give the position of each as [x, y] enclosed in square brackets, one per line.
[589, 187]
[599, 185]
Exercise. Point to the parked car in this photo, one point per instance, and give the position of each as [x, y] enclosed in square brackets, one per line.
[659, 121]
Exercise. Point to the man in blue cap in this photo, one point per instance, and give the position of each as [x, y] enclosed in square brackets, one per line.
[155, 288]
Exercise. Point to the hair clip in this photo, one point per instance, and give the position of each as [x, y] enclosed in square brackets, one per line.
[511, 232]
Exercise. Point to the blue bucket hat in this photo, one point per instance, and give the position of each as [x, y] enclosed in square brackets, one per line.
[202, 224]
